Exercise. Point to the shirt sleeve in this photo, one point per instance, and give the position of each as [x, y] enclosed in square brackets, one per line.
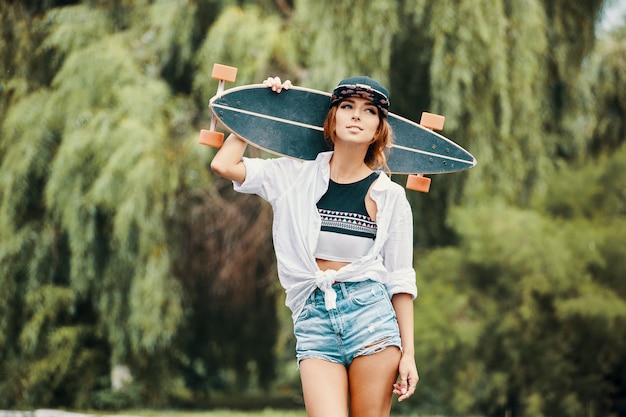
[398, 251]
[268, 178]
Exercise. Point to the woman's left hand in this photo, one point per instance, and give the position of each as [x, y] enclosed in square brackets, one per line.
[408, 377]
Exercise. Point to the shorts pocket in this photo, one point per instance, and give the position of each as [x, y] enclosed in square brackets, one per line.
[369, 295]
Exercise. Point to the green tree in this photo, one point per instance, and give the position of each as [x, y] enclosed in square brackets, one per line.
[529, 323]
[523, 316]
[506, 76]
[117, 245]
[97, 158]
[604, 75]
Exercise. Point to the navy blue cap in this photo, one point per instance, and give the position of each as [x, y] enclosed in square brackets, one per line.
[364, 87]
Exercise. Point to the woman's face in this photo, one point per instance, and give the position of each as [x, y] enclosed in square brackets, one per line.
[356, 120]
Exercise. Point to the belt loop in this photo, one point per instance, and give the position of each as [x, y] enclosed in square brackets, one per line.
[344, 290]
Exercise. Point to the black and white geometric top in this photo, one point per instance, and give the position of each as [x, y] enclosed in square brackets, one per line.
[347, 231]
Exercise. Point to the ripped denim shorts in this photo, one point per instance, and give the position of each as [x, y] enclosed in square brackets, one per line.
[363, 323]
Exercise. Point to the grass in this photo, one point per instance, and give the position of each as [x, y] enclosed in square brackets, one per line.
[216, 413]
[226, 413]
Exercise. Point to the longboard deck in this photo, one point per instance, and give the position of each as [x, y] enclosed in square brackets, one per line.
[291, 124]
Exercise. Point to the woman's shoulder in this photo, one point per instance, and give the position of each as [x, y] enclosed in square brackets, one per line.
[274, 161]
[321, 159]
[285, 169]
[390, 192]
[384, 183]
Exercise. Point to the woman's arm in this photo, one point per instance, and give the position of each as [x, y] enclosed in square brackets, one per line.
[403, 305]
[227, 161]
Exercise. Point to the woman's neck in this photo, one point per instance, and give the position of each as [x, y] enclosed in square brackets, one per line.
[347, 168]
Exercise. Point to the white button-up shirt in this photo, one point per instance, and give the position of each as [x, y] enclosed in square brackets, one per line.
[293, 189]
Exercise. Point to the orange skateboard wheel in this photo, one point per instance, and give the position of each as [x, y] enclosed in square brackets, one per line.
[211, 138]
[432, 121]
[224, 73]
[418, 183]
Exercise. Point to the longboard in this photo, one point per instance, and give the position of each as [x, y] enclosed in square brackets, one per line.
[291, 124]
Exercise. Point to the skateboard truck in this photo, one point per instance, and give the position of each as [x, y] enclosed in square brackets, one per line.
[418, 182]
[222, 73]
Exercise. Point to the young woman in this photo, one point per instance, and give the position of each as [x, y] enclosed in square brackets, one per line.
[343, 236]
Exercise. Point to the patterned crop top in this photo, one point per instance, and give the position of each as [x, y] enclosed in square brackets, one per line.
[347, 231]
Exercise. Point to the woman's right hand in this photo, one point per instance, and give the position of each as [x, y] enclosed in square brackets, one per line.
[276, 85]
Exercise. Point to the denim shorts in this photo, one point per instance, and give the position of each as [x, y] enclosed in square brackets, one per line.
[363, 323]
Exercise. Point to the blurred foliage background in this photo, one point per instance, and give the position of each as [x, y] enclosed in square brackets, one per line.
[122, 254]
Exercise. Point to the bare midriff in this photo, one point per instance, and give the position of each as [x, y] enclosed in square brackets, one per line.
[325, 265]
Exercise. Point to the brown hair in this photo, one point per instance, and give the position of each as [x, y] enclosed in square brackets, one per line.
[376, 156]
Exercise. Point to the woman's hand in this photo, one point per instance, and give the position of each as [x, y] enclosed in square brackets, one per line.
[408, 377]
[276, 85]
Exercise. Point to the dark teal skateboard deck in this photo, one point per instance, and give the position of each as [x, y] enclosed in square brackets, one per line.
[291, 124]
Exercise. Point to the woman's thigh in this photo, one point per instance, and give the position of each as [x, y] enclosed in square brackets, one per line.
[325, 388]
[371, 379]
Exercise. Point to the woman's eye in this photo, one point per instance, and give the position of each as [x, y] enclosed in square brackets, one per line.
[350, 106]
